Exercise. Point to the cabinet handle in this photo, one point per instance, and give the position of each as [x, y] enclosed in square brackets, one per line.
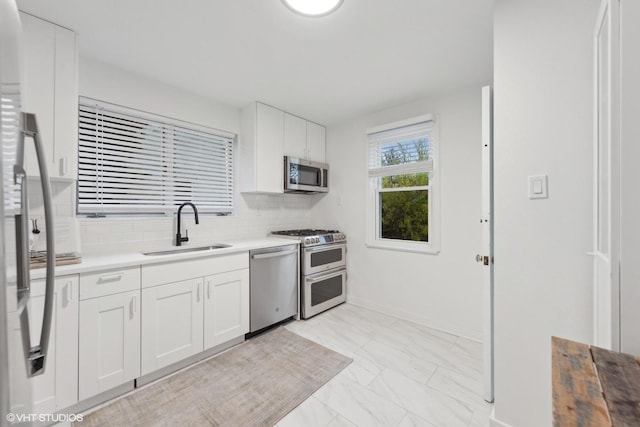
[110, 277]
[209, 290]
[134, 304]
[69, 291]
[198, 293]
[63, 166]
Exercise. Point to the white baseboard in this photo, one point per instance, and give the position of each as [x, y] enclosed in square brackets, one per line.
[494, 422]
[421, 320]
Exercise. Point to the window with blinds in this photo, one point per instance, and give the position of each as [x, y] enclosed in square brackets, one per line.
[130, 162]
[401, 174]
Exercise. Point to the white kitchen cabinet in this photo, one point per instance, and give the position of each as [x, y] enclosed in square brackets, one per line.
[295, 136]
[226, 307]
[304, 139]
[316, 142]
[50, 91]
[261, 149]
[109, 347]
[172, 323]
[269, 134]
[57, 387]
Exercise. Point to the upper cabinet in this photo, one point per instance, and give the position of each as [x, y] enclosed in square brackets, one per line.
[303, 139]
[50, 91]
[269, 134]
[295, 136]
[261, 149]
[316, 142]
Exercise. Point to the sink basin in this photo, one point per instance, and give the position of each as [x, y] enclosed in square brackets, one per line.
[187, 250]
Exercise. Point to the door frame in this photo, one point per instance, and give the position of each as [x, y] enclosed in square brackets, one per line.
[487, 243]
[606, 295]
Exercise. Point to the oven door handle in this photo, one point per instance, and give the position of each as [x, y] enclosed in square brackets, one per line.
[325, 248]
[326, 276]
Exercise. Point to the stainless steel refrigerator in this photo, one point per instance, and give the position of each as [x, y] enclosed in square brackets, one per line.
[23, 355]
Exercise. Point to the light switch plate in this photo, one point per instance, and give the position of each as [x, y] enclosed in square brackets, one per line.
[538, 187]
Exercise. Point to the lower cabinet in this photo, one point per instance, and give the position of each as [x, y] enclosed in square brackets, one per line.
[226, 307]
[109, 343]
[171, 323]
[57, 387]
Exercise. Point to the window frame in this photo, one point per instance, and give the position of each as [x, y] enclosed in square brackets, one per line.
[373, 220]
[171, 129]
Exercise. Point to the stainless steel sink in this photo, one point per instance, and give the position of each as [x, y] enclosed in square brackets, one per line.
[187, 250]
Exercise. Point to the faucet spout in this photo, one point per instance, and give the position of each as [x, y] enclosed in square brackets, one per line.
[179, 238]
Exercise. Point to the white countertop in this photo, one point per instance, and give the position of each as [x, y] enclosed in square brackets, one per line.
[129, 259]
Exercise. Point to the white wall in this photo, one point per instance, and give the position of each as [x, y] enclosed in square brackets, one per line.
[441, 291]
[543, 125]
[256, 215]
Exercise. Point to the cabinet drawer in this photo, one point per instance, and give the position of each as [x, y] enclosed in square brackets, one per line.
[160, 274]
[108, 282]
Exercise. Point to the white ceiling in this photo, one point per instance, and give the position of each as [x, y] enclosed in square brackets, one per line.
[369, 55]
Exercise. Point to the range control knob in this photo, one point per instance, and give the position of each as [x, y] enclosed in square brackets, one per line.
[307, 240]
[317, 240]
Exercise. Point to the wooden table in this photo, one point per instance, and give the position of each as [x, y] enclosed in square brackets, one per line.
[593, 386]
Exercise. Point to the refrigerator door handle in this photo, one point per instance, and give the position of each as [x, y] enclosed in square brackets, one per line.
[37, 354]
[22, 238]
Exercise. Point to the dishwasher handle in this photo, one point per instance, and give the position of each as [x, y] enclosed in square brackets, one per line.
[273, 254]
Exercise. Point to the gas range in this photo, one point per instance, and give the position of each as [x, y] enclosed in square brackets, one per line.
[311, 237]
[323, 268]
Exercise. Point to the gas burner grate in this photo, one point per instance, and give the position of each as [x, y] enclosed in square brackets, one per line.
[304, 232]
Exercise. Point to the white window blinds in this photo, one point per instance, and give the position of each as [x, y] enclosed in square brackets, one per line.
[134, 162]
[402, 149]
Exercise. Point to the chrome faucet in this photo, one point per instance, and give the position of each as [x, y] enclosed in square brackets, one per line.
[179, 238]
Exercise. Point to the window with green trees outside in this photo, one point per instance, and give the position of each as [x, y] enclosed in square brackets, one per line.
[401, 172]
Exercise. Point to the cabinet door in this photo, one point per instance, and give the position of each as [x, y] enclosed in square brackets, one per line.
[57, 387]
[316, 142]
[269, 149]
[38, 47]
[171, 323]
[295, 136]
[226, 307]
[64, 157]
[51, 92]
[109, 342]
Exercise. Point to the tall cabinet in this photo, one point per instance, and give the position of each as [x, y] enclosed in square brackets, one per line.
[50, 90]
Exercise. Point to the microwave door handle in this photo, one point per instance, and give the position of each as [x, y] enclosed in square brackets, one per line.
[38, 353]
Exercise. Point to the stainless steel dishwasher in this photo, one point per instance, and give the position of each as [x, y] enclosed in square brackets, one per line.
[274, 285]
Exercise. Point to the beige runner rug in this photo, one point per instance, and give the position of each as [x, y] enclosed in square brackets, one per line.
[254, 384]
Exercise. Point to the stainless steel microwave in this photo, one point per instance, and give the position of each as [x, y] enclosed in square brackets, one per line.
[305, 176]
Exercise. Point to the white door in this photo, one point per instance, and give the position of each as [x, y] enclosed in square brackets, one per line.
[172, 322]
[226, 307]
[606, 179]
[486, 255]
[109, 344]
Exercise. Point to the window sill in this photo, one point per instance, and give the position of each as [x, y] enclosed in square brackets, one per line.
[404, 246]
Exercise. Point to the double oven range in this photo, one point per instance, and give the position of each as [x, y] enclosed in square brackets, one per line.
[323, 272]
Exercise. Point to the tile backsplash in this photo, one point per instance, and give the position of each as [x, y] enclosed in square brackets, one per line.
[256, 215]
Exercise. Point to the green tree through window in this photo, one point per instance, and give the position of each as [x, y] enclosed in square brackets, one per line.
[404, 199]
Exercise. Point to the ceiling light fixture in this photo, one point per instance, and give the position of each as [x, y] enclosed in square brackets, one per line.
[313, 8]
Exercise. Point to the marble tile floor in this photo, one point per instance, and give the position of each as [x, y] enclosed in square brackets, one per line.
[403, 374]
